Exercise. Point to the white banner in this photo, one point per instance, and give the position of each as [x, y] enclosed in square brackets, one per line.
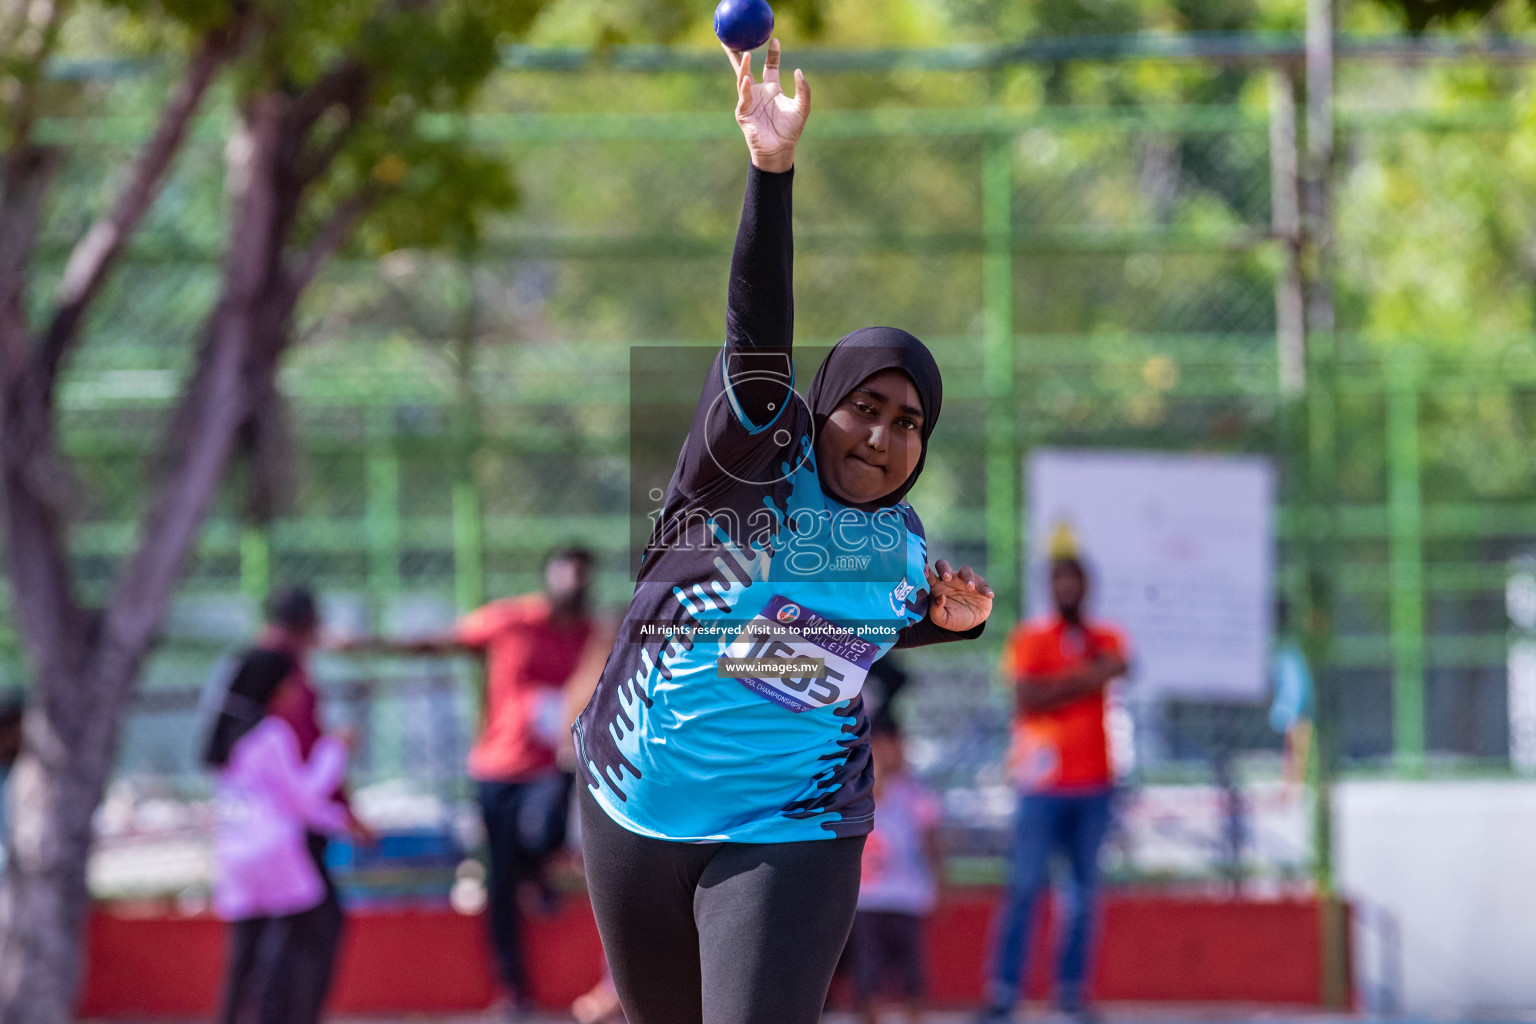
[1180, 549]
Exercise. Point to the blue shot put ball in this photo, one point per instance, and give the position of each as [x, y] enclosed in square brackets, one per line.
[744, 24]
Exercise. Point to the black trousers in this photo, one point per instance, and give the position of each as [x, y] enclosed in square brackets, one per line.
[525, 822]
[279, 968]
[719, 933]
[886, 946]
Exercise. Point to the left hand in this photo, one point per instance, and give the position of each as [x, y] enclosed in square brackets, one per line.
[957, 599]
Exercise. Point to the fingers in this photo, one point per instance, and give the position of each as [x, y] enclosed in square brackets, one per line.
[744, 85]
[734, 57]
[802, 95]
[974, 581]
[945, 577]
[771, 64]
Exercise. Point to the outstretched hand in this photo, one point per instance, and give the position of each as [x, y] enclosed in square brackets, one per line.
[957, 599]
[770, 120]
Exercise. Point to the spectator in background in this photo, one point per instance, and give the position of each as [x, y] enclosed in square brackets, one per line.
[1291, 713]
[885, 682]
[279, 791]
[1060, 666]
[899, 881]
[533, 647]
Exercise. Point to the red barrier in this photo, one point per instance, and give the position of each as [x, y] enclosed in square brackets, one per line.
[144, 962]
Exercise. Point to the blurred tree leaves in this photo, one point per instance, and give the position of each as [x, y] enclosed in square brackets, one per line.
[1419, 15]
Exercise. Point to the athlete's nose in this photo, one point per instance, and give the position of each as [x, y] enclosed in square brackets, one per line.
[877, 437]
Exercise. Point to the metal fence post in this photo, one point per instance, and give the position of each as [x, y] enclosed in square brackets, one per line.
[1002, 506]
[381, 514]
[1322, 483]
[1406, 545]
[256, 561]
[468, 535]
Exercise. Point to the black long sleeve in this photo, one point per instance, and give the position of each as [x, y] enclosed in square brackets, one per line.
[760, 306]
[924, 632]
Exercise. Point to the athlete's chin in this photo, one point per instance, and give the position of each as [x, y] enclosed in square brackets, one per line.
[860, 481]
[853, 493]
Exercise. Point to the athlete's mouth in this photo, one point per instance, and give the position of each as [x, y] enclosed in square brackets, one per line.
[866, 462]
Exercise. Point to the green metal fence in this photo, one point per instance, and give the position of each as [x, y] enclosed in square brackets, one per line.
[1089, 275]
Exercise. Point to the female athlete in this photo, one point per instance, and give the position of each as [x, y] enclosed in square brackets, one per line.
[727, 797]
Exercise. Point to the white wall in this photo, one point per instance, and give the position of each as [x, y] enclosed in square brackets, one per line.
[1455, 864]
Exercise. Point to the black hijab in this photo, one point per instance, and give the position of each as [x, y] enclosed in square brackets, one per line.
[856, 358]
[256, 678]
[258, 674]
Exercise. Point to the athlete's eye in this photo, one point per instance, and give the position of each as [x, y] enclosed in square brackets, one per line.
[907, 423]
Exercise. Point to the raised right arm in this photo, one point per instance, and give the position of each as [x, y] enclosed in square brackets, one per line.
[760, 308]
[760, 303]
[749, 386]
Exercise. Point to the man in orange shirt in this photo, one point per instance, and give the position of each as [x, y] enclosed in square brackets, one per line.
[534, 646]
[1060, 665]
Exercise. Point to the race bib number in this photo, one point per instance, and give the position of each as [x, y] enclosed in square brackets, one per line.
[785, 629]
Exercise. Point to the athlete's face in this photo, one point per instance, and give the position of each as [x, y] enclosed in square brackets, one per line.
[873, 439]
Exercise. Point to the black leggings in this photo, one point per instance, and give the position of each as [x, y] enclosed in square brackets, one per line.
[719, 933]
[524, 825]
[279, 968]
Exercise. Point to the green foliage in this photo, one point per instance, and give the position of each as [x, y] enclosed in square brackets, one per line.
[434, 193]
[427, 190]
[192, 15]
[1419, 15]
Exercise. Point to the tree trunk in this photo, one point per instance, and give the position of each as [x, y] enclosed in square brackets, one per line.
[87, 663]
[54, 790]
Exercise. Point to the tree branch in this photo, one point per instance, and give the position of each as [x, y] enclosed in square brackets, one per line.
[29, 29]
[42, 591]
[25, 175]
[345, 86]
[214, 403]
[332, 236]
[346, 83]
[316, 159]
[95, 254]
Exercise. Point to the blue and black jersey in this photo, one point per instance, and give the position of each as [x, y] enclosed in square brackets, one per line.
[750, 543]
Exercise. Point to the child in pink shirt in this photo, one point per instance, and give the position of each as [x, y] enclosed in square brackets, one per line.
[277, 793]
[269, 798]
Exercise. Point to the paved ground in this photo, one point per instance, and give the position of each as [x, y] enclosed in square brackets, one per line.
[1114, 1013]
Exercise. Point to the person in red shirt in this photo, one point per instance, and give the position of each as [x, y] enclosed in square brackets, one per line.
[533, 647]
[1060, 666]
